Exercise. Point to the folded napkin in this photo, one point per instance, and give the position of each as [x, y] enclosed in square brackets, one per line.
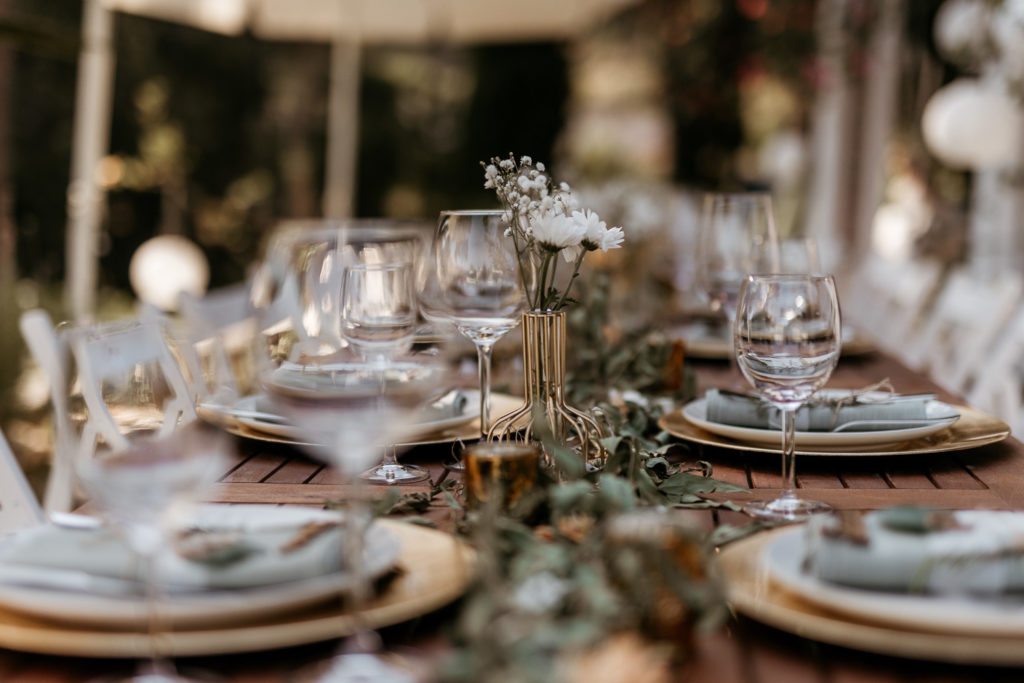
[919, 550]
[203, 560]
[743, 410]
[449, 406]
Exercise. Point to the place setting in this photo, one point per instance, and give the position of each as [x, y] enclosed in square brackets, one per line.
[919, 582]
[787, 346]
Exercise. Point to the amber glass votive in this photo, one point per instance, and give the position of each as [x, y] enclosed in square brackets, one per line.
[499, 468]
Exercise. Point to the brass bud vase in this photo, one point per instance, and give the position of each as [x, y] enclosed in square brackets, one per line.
[544, 389]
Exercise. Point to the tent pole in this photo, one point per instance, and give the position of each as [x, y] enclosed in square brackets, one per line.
[90, 141]
[342, 128]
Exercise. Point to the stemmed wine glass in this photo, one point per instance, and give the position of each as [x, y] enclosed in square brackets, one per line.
[348, 406]
[479, 285]
[140, 456]
[787, 340]
[736, 236]
[378, 319]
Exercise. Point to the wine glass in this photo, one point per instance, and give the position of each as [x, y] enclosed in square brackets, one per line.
[478, 280]
[349, 407]
[787, 340]
[141, 451]
[736, 236]
[308, 260]
[378, 318]
[378, 310]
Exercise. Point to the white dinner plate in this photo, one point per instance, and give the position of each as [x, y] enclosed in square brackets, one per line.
[213, 607]
[782, 558]
[943, 414]
[470, 411]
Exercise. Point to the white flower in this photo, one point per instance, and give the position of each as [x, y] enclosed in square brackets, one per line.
[556, 231]
[540, 166]
[526, 161]
[612, 239]
[598, 235]
[506, 164]
[490, 177]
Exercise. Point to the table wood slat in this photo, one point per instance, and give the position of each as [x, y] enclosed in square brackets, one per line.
[817, 480]
[295, 471]
[256, 468]
[948, 473]
[865, 480]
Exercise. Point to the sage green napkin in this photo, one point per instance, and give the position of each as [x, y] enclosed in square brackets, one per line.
[204, 560]
[920, 550]
[742, 410]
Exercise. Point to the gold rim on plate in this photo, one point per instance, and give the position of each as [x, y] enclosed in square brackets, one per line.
[753, 593]
[435, 569]
[974, 429]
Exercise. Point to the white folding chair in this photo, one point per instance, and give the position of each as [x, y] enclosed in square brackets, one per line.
[19, 508]
[215, 341]
[131, 356]
[50, 353]
[998, 382]
[961, 327]
[887, 299]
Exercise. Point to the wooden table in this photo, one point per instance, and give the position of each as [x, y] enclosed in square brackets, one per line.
[988, 477]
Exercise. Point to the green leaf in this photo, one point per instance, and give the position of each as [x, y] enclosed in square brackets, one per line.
[617, 491]
[686, 483]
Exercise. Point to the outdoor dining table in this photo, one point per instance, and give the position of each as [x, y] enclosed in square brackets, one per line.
[989, 477]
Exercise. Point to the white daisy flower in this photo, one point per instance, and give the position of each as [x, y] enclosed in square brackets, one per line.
[555, 232]
[598, 235]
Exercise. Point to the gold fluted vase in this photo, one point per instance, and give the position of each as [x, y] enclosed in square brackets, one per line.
[544, 342]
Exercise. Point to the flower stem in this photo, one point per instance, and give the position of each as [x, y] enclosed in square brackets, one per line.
[575, 274]
[542, 282]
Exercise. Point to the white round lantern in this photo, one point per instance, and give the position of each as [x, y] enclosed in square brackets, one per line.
[165, 266]
[969, 124]
[961, 30]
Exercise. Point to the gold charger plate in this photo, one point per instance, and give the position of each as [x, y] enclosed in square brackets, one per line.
[500, 405]
[435, 569]
[753, 593]
[972, 430]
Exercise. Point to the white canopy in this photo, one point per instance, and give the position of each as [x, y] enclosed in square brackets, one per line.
[382, 21]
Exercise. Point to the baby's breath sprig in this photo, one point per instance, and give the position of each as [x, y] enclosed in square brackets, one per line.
[545, 220]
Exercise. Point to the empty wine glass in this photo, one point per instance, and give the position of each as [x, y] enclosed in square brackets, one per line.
[736, 236]
[378, 310]
[308, 259]
[378, 318]
[479, 284]
[787, 341]
[141, 450]
[349, 407]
